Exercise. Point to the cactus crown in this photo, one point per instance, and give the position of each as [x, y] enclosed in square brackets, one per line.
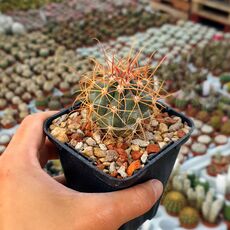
[120, 95]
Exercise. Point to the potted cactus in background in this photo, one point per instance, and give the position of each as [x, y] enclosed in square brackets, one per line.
[189, 218]
[174, 202]
[211, 209]
[118, 133]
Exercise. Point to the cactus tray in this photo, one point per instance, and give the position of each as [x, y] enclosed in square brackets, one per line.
[82, 175]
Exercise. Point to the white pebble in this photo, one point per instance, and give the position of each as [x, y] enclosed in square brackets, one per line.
[144, 157]
[122, 172]
[140, 143]
[166, 139]
[175, 139]
[90, 141]
[112, 167]
[154, 123]
[175, 126]
[103, 147]
[162, 144]
[149, 135]
[79, 146]
[97, 137]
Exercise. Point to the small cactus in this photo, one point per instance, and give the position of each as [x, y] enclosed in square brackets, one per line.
[202, 182]
[174, 202]
[200, 196]
[41, 103]
[189, 217]
[203, 116]
[196, 197]
[225, 129]
[180, 103]
[211, 207]
[44, 52]
[215, 122]
[54, 104]
[181, 183]
[4, 64]
[120, 96]
[167, 189]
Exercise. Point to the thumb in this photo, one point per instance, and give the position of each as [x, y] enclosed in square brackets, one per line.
[135, 201]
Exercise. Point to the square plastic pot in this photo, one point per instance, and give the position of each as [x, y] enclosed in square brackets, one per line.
[82, 175]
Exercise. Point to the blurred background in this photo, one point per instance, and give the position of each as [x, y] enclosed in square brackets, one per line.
[45, 47]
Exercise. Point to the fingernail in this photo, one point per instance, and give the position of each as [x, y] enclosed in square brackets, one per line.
[158, 187]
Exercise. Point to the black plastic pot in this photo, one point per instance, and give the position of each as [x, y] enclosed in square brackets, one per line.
[82, 175]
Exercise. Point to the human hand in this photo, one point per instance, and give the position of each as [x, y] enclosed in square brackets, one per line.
[31, 199]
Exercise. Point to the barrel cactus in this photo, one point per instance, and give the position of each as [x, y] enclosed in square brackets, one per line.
[189, 217]
[120, 96]
[174, 202]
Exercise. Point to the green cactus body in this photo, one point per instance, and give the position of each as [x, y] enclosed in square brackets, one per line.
[225, 78]
[192, 177]
[203, 182]
[119, 97]
[215, 122]
[41, 103]
[189, 218]
[127, 110]
[225, 129]
[180, 103]
[174, 202]
[54, 105]
[227, 210]
[196, 102]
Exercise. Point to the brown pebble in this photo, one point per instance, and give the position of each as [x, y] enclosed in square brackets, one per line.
[133, 166]
[153, 148]
[99, 153]
[136, 155]
[101, 166]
